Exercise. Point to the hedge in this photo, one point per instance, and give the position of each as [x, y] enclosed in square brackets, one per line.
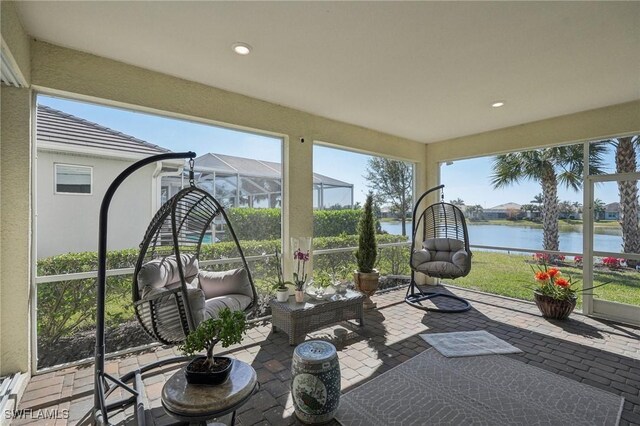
[66, 306]
[265, 224]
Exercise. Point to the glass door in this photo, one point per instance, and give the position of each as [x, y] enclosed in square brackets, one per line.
[612, 247]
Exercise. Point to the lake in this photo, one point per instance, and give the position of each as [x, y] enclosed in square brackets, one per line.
[528, 237]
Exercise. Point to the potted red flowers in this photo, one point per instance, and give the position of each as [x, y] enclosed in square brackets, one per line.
[555, 295]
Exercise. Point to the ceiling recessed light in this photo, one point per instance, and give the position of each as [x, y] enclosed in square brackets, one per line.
[497, 104]
[241, 48]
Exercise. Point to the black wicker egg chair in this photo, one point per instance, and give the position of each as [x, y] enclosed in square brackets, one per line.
[171, 294]
[440, 232]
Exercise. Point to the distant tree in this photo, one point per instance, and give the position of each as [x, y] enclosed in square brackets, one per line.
[598, 209]
[627, 151]
[566, 208]
[391, 182]
[457, 202]
[538, 199]
[475, 212]
[550, 167]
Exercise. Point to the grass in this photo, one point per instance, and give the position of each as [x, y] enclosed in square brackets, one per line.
[511, 275]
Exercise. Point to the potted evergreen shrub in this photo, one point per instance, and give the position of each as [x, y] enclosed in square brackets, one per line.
[366, 277]
[227, 329]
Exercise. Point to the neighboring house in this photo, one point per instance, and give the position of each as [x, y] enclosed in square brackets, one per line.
[612, 211]
[504, 211]
[76, 162]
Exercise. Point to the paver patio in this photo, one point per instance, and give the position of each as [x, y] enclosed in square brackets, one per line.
[603, 354]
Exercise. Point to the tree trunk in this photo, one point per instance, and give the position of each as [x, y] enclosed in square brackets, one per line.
[628, 190]
[550, 209]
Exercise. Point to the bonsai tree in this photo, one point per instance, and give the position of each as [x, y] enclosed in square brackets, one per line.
[227, 329]
[367, 246]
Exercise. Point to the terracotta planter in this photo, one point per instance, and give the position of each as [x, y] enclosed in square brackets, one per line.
[367, 283]
[553, 308]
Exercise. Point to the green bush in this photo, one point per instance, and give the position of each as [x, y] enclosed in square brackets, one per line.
[64, 307]
[266, 224]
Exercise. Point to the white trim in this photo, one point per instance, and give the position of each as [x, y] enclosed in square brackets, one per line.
[10, 70]
[96, 152]
[55, 179]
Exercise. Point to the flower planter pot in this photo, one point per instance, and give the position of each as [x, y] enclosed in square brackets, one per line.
[282, 295]
[367, 283]
[299, 296]
[553, 308]
[195, 376]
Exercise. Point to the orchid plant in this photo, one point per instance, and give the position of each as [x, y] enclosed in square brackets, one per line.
[299, 278]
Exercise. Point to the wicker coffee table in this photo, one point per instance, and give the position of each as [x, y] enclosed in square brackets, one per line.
[298, 319]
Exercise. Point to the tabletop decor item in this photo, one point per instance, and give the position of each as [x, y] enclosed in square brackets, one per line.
[301, 255]
[227, 329]
[555, 295]
[280, 285]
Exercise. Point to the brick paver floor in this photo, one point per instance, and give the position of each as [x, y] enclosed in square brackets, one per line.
[600, 353]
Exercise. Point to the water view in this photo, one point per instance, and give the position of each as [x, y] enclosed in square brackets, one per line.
[528, 237]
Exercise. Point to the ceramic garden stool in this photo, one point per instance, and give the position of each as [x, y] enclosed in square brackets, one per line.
[315, 381]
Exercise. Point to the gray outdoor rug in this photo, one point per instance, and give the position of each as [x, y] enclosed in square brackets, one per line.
[469, 343]
[431, 389]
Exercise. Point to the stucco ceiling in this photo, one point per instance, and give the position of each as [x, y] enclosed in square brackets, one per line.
[422, 70]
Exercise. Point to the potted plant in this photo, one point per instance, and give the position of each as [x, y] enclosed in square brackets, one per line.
[366, 277]
[300, 276]
[555, 295]
[280, 285]
[227, 329]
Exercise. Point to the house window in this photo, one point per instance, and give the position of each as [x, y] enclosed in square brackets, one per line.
[71, 179]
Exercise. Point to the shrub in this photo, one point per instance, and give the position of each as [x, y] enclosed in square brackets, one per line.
[367, 247]
[612, 262]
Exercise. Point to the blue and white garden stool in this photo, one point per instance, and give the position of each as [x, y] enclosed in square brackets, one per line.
[315, 381]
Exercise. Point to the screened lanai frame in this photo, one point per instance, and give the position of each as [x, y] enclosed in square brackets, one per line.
[590, 305]
[176, 171]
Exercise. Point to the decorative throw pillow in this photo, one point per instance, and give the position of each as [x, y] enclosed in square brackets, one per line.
[215, 284]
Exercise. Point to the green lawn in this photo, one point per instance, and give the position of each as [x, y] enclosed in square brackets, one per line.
[511, 275]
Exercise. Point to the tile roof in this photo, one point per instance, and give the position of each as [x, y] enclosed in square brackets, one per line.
[62, 128]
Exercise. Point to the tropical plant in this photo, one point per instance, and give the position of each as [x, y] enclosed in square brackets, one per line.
[550, 167]
[227, 329]
[598, 209]
[391, 182]
[300, 276]
[627, 149]
[457, 202]
[474, 212]
[551, 283]
[367, 246]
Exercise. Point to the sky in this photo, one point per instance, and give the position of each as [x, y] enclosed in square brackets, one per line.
[468, 180]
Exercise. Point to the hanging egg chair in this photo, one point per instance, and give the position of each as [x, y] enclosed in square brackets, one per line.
[440, 249]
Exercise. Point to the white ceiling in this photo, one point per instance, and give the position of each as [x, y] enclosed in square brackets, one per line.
[423, 70]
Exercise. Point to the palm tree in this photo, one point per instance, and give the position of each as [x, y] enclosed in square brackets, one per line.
[626, 162]
[598, 209]
[551, 167]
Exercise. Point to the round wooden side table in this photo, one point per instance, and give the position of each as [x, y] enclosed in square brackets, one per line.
[197, 403]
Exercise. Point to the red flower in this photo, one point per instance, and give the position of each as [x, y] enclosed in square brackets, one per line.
[562, 282]
[553, 272]
[542, 276]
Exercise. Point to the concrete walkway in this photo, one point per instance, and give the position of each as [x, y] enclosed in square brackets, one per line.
[599, 353]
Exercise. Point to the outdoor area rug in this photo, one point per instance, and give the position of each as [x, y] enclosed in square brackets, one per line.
[484, 390]
[469, 343]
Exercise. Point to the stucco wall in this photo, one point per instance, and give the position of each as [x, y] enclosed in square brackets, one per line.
[15, 39]
[69, 222]
[15, 241]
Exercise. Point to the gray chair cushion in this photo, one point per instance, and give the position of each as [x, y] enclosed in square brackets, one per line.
[163, 272]
[442, 257]
[235, 302]
[195, 300]
[215, 284]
